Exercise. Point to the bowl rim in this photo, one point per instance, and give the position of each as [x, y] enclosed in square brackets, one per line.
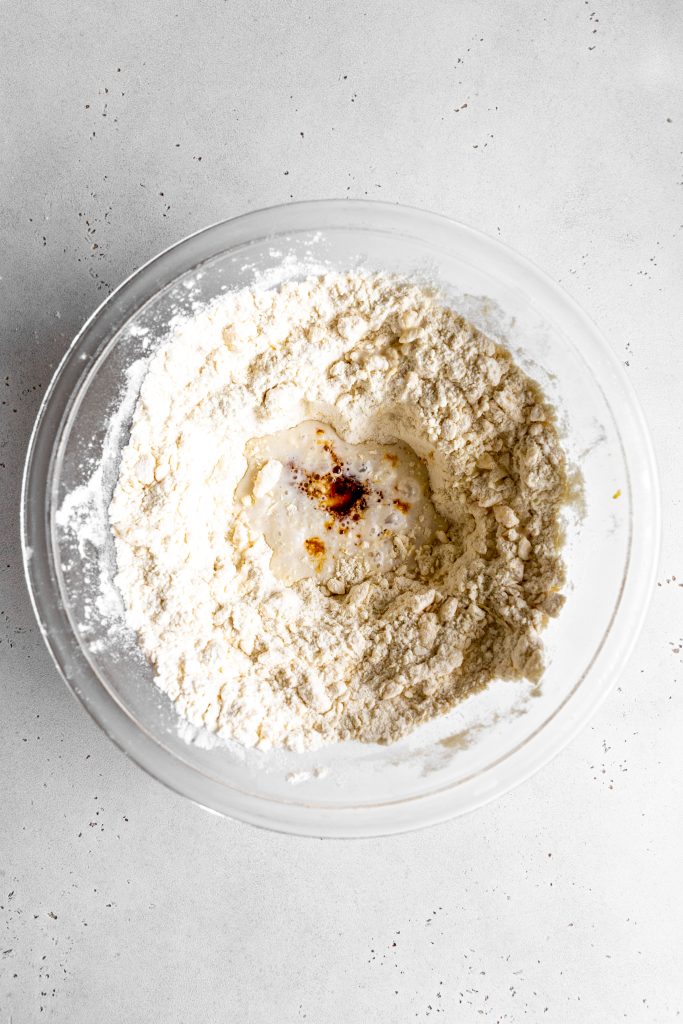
[406, 814]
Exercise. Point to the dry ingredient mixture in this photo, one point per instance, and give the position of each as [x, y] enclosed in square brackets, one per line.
[338, 513]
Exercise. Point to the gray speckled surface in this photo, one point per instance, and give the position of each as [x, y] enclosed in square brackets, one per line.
[556, 127]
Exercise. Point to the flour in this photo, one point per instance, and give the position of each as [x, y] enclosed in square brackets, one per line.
[352, 651]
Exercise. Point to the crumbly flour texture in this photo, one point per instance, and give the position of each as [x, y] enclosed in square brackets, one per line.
[338, 513]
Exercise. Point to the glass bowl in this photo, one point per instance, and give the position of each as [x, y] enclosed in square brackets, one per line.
[494, 739]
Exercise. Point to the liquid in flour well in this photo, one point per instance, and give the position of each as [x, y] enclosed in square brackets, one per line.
[320, 502]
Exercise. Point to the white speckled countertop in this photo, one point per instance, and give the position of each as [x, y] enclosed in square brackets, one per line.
[555, 127]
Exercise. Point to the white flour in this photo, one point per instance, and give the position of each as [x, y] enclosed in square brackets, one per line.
[341, 649]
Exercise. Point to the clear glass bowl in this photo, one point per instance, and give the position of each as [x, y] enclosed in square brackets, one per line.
[493, 740]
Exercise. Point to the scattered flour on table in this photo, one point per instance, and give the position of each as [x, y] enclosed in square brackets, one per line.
[338, 513]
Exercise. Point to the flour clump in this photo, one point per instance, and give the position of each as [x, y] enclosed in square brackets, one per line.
[338, 513]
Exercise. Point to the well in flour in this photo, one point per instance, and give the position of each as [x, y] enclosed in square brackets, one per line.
[338, 513]
[324, 505]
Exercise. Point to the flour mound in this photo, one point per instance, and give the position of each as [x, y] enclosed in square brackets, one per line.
[369, 654]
